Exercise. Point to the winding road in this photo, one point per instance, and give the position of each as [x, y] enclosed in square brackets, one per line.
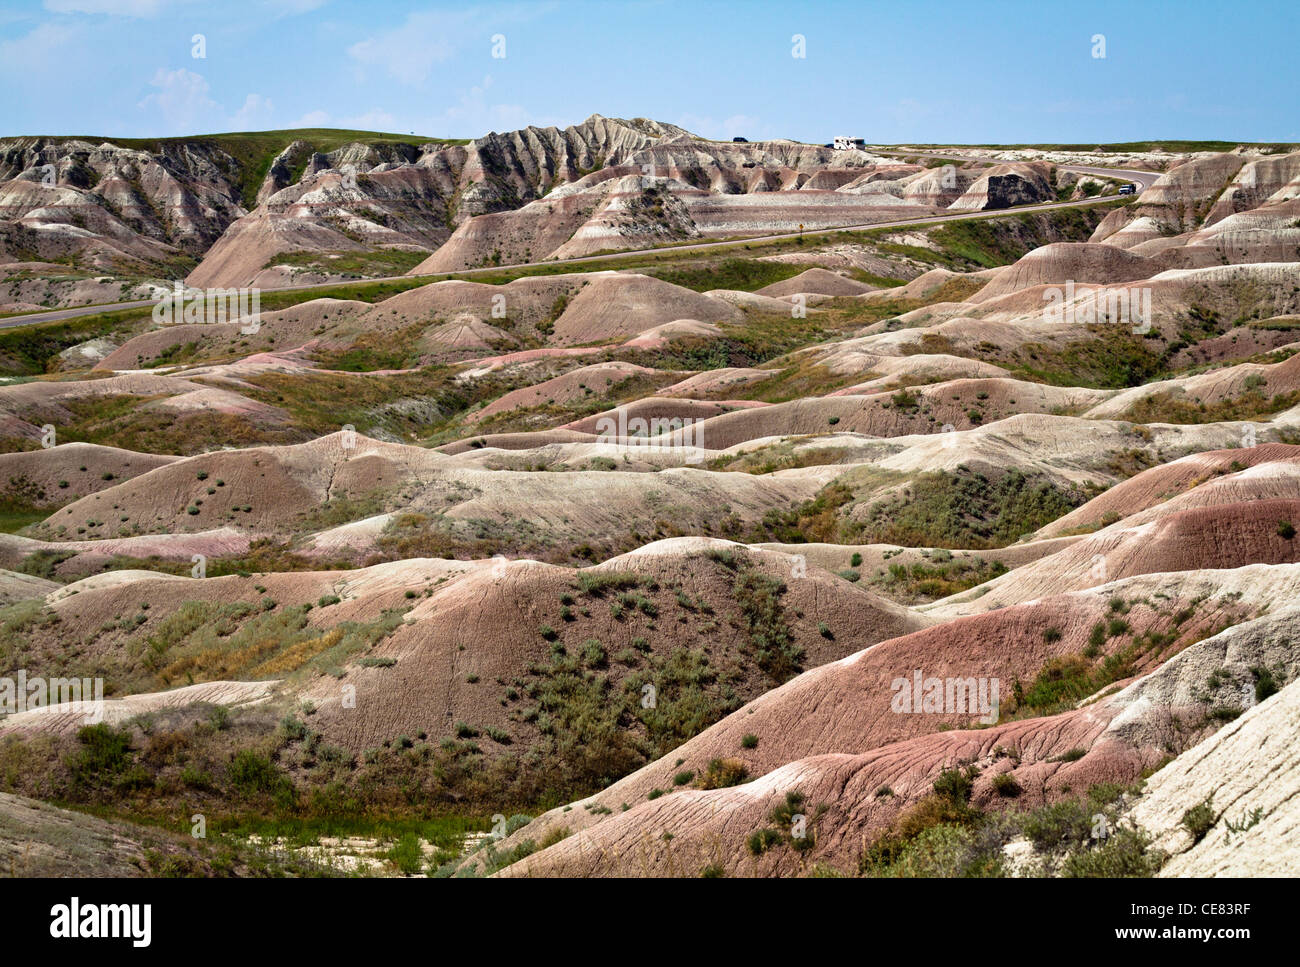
[1142, 178]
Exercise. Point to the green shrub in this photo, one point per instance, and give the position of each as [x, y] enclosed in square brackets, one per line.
[406, 855]
[1265, 683]
[775, 649]
[955, 784]
[104, 752]
[594, 654]
[1199, 820]
[254, 774]
[762, 840]
[1058, 825]
[722, 773]
[1004, 784]
[1125, 853]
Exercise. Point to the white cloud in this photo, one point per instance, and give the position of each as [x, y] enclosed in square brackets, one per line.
[255, 115]
[408, 52]
[37, 50]
[473, 115]
[182, 99]
[312, 119]
[291, 8]
[115, 8]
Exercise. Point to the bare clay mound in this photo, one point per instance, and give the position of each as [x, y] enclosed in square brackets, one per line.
[40, 840]
[1172, 201]
[1079, 262]
[717, 383]
[661, 336]
[468, 626]
[530, 233]
[817, 280]
[1180, 538]
[655, 408]
[240, 256]
[69, 717]
[280, 490]
[80, 557]
[1111, 740]
[1219, 385]
[277, 485]
[956, 404]
[845, 707]
[615, 305]
[515, 441]
[1250, 775]
[23, 587]
[526, 300]
[577, 384]
[25, 407]
[291, 327]
[1264, 234]
[467, 634]
[59, 474]
[1154, 486]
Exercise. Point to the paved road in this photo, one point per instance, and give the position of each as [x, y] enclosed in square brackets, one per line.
[1143, 178]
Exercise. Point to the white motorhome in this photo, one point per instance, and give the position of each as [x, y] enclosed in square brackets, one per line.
[848, 144]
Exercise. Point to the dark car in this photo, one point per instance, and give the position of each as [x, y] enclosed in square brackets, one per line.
[740, 140]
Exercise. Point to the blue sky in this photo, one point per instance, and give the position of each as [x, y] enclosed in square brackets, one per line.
[1004, 71]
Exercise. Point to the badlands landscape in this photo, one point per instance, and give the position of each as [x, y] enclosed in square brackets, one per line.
[612, 501]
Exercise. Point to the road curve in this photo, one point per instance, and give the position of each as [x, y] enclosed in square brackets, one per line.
[1143, 178]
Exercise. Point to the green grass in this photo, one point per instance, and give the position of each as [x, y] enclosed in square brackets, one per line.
[444, 831]
[14, 518]
[771, 640]
[29, 350]
[981, 243]
[1168, 408]
[731, 273]
[964, 509]
[1113, 358]
[32, 350]
[378, 262]
[939, 576]
[943, 835]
